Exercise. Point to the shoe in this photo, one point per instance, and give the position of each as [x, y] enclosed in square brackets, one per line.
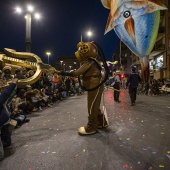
[86, 130]
[49, 105]
[132, 104]
[40, 109]
[35, 110]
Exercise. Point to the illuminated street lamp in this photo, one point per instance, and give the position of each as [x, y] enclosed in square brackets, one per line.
[61, 64]
[28, 14]
[89, 34]
[48, 54]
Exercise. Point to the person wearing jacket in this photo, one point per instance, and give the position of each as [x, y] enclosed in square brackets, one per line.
[132, 82]
[5, 117]
[90, 71]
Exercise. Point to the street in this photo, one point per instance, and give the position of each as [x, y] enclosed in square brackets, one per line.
[137, 138]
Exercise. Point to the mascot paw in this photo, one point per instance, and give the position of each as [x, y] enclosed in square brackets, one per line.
[82, 131]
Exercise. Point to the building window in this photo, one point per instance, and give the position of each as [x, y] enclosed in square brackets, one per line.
[159, 62]
[151, 64]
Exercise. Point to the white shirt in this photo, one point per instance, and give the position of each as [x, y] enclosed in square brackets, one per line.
[117, 78]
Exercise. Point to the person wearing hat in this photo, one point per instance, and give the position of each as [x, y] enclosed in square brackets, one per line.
[6, 75]
[132, 82]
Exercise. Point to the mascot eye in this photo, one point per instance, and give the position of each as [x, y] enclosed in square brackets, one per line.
[127, 14]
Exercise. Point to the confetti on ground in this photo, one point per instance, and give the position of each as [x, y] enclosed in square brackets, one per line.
[53, 152]
[161, 166]
[162, 133]
[84, 150]
[126, 166]
[168, 152]
[29, 168]
[150, 168]
[153, 153]
[168, 156]
[76, 155]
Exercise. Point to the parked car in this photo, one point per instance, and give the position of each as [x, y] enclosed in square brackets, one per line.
[165, 88]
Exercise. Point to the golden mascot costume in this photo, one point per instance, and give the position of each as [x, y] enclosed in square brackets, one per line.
[91, 72]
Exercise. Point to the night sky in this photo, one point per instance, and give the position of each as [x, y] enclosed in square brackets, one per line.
[59, 29]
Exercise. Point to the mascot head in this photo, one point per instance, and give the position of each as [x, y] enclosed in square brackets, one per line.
[86, 50]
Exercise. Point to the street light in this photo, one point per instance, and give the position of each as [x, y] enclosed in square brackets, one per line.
[28, 12]
[89, 34]
[48, 54]
[61, 64]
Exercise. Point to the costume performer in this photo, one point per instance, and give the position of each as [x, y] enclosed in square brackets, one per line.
[90, 71]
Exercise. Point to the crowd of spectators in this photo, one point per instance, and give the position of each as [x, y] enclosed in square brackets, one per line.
[153, 88]
[35, 97]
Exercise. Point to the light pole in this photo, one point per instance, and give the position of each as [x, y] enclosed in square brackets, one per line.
[28, 13]
[64, 65]
[61, 64]
[48, 54]
[89, 34]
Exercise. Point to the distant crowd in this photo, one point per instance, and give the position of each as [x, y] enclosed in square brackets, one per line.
[152, 88]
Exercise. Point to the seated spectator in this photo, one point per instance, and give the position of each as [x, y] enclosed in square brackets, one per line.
[6, 75]
[29, 94]
[56, 96]
[37, 99]
[17, 114]
[45, 98]
[5, 117]
[21, 102]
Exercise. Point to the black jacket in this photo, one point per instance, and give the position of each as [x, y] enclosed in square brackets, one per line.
[133, 80]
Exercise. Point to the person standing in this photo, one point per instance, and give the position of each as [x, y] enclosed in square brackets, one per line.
[92, 77]
[116, 86]
[132, 82]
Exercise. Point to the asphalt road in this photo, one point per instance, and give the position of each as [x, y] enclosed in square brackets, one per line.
[138, 137]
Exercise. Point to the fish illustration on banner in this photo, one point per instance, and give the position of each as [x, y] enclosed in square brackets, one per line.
[136, 23]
